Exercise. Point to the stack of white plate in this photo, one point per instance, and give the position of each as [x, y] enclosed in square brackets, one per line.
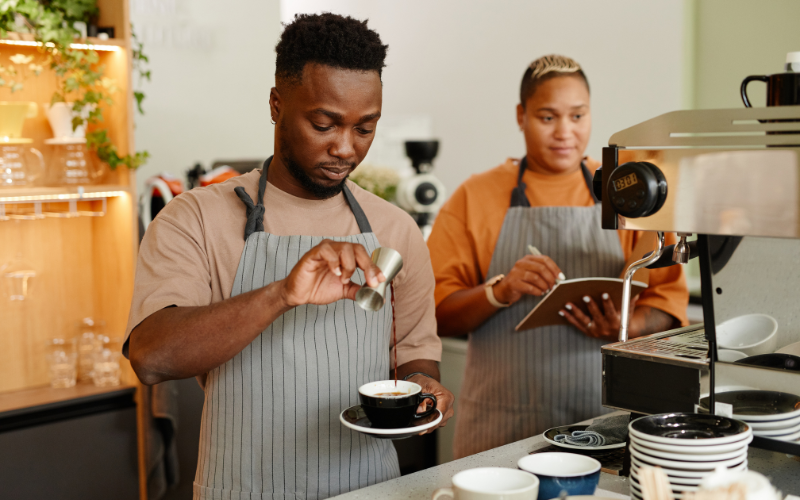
[771, 414]
[688, 447]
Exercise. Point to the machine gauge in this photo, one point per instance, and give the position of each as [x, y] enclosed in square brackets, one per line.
[626, 182]
[637, 189]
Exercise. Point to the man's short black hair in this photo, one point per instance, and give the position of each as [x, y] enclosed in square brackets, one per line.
[329, 39]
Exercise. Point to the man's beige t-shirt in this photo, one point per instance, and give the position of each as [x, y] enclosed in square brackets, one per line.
[190, 252]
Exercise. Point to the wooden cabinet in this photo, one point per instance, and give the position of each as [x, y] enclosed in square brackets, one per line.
[84, 264]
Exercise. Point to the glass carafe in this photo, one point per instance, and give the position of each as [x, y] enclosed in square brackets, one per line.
[72, 164]
[20, 165]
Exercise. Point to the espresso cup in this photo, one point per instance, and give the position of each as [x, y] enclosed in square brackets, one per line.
[390, 406]
[783, 89]
[491, 483]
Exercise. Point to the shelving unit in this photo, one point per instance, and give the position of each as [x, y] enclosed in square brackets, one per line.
[81, 240]
[36, 204]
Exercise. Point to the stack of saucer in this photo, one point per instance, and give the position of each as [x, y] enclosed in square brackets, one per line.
[771, 414]
[688, 447]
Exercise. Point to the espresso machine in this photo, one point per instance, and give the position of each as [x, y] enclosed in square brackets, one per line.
[730, 177]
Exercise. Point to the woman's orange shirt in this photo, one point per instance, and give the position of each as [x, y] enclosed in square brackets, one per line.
[466, 229]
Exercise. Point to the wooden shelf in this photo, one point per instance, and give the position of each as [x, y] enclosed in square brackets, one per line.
[62, 193]
[27, 40]
[41, 398]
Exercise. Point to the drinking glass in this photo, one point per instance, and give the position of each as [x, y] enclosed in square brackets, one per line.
[63, 368]
[90, 341]
[106, 371]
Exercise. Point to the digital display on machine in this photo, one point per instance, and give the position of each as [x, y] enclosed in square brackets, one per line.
[626, 182]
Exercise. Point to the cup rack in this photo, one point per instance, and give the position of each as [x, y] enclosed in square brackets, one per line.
[28, 204]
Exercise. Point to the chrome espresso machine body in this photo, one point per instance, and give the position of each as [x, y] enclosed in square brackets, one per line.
[732, 178]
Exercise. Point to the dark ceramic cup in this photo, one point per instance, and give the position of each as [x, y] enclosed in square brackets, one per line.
[783, 89]
[569, 472]
[391, 407]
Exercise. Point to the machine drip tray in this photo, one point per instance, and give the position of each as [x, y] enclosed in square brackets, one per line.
[610, 460]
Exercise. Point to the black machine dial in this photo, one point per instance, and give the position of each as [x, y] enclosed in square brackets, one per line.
[637, 189]
[426, 193]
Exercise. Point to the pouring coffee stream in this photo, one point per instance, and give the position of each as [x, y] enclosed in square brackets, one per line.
[390, 262]
[394, 335]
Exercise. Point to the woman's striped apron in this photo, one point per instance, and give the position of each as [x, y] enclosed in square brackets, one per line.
[270, 427]
[518, 384]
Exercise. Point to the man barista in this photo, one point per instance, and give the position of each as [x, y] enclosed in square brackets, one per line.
[249, 284]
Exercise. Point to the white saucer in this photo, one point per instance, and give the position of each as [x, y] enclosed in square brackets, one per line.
[777, 432]
[355, 418]
[688, 481]
[673, 486]
[695, 450]
[774, 424]
[690, 457]
[686, 473]
[782, 437]
[692, 442]
[58, 141]
[689, 466]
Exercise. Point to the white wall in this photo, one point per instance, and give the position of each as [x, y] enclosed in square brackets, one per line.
[461, 63]
[737, 38]
[213, 65]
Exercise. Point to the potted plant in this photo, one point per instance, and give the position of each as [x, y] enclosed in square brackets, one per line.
[380, 181]
[83, 87]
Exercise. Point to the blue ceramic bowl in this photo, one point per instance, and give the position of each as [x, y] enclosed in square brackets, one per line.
[557, 472]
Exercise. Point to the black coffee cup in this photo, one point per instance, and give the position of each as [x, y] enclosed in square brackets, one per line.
[783, 89]
[391, 407]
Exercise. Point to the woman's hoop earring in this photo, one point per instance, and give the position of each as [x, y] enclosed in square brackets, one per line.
[272, 120]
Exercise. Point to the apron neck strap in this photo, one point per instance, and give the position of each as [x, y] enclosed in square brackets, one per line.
[255, 211]
[518, 197]
[361, 217]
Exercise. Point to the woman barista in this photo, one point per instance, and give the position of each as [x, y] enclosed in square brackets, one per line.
[518, 384]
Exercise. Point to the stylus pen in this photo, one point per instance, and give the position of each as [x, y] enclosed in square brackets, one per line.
[535, 252]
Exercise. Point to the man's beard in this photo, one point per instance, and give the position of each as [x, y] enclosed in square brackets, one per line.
[319, 191]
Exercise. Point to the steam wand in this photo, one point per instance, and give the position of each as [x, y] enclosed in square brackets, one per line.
[626, 285]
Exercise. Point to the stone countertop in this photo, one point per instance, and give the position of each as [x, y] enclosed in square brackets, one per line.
[422, 484]
[784, 472]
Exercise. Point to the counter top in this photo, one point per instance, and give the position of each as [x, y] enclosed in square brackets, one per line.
[46, 398]
[782, 470]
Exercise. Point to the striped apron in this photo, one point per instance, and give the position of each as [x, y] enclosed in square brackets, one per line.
[270, 427]
[518, 384]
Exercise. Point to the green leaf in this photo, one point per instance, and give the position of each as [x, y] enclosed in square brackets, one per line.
[139, 96]
[71, 84]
